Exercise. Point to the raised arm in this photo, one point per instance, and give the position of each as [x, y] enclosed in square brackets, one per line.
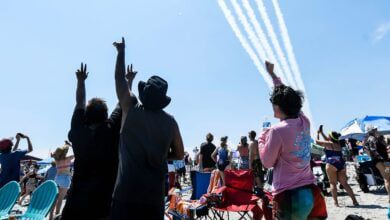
[270, 69]
[326, 142]
[81, 75]
[29, 144]
[122, 86]
[130, 75]
[321, 132]
[17, 142]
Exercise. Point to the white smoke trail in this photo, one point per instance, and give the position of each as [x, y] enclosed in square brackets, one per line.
[275, 42]
[264, 41]
[291, 56]
[288, 45]
[250, 32]
[233, 24]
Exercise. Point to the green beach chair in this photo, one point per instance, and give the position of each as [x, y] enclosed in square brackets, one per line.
[9, 193]
[42, 201]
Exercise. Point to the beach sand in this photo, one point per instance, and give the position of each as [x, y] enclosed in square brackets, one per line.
[373, 205]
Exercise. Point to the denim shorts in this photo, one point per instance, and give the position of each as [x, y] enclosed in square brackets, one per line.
[63, 180]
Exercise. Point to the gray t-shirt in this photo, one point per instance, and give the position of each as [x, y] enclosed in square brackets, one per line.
[145, 140]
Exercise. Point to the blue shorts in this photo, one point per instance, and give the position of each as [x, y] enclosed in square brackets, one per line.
[63, 180]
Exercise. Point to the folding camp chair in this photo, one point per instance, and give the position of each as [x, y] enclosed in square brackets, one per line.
[237, 196]
[9, 193]
[200, 182]
[180, 209]
[191, 209]
[42, 201]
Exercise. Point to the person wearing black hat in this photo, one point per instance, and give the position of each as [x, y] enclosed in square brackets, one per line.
[148, 139]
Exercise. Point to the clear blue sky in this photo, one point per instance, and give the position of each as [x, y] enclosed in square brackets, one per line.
[342, 48]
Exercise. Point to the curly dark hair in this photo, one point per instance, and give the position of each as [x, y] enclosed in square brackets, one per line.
[289, 100]
[96, 111]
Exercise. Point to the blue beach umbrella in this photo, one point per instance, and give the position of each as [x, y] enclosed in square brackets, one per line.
[357, 128]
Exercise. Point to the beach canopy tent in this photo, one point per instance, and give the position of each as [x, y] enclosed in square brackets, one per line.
[357, 128]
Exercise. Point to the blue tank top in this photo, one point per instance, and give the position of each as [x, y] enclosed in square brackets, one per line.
[223, 154]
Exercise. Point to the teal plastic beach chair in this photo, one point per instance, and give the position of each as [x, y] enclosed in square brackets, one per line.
[42, 201]
[9, 193]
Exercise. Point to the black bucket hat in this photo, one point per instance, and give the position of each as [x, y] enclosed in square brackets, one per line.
[152, 93]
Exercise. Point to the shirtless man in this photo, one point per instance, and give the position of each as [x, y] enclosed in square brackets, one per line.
[254, 160]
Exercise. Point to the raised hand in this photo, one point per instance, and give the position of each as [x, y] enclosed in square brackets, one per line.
[120, 46]
[270, 67]
[82, 73]
[130, 75]
[320, 129]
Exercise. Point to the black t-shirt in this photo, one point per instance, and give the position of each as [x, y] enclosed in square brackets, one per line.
[144, 144]
[96, 159]
[206, 149]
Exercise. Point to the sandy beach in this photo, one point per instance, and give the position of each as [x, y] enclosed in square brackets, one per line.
[373, 205]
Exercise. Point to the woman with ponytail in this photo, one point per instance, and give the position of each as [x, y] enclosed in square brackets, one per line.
[335, 164]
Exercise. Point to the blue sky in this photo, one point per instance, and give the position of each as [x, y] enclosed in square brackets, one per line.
[342, 49]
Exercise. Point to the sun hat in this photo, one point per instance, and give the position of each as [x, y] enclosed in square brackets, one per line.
[152, 93]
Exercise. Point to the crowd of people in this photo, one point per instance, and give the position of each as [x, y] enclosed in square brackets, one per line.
[120, 160]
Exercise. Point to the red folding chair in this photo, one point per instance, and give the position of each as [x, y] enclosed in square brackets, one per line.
[237, 196]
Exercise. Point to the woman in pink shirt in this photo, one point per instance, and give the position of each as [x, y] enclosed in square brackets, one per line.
[286, 147]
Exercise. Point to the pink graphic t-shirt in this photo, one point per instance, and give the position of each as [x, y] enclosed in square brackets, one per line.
[286, 147]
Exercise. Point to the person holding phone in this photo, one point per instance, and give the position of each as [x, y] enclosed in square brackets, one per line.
[286, 147]
[335, 164]
[10, 158]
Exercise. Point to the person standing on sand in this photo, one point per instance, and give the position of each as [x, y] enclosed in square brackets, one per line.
[335, 164]
[149, 137]
[254, 160]
[286, 147]
[375, 147]
[243, 149]
[206, 163]
[222, 156]
[10, 158]
[63, 176]
[94, 138]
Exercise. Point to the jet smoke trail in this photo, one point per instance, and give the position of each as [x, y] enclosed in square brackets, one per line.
[233, 24]
[288, 45]
[249, 30]
[264, 41]
[291, 56]
[275, 42]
